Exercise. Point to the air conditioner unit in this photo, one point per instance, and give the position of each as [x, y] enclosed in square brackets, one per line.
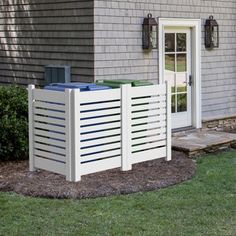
[57, 74]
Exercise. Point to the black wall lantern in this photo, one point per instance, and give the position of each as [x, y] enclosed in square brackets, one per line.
[211, 33]
[149, 33]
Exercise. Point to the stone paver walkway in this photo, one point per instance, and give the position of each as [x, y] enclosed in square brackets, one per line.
[198, 142]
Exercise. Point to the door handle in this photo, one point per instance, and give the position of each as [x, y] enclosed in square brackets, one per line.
[190, 80]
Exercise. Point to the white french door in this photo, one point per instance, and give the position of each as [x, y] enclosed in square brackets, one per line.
[177, 70]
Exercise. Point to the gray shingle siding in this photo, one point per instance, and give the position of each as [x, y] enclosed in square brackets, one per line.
[101, 39]
[118, 51]
[35, 33]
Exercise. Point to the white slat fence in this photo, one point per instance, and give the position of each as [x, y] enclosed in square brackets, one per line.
[76, 133]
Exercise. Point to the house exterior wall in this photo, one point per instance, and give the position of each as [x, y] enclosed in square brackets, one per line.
[119, 54]
[35, 33]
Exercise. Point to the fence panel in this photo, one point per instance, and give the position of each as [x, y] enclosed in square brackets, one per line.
[149, 130]
[100, 130]
[47, 130]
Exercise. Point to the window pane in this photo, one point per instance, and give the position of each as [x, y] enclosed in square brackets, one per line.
[170, 77]
[181, 42]
[182, 102]
[173, 88]
[170, 62]
[181, 62]
[173, 110]
[169, 42]
[181, 82]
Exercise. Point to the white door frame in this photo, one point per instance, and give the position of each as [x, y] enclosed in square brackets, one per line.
[195, 25]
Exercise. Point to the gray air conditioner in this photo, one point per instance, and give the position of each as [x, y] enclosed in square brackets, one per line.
[57, 74]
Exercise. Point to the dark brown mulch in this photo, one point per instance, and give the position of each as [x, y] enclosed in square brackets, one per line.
[145, 176]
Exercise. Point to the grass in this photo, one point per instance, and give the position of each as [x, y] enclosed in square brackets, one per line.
[205, 205]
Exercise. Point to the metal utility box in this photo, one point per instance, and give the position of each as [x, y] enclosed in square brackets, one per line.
[57, 74]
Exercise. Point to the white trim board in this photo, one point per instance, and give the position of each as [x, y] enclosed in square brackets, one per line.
[195, 26]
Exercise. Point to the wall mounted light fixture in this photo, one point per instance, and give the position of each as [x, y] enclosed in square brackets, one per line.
[211, 33]
[149, 33]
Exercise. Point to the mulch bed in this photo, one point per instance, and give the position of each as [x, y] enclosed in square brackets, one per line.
[146, 176]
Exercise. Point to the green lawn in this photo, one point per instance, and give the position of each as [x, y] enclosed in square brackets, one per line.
[203, 206]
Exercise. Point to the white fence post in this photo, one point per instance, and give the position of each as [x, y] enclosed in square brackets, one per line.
[75, 135]
[168, 121]
[68, 134]
[126, 161]
[31, 127]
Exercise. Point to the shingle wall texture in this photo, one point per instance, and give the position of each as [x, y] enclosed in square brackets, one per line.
[35, 33]
[119, 54]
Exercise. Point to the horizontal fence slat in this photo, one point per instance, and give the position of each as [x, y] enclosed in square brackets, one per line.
[100, 96]
[47, 148]
[150, 99]
[148, 139]
[100, 127]
[100, 120]
[49, 96]
[49, 120]
[49, 127]
[49, 141]
[50, 106]
[147, 133]
[100, 148]
[148, 126]
[49, 165]
[49, 134]
[49, 113]
[148, 90]
[148, 155]
[96, 106]
[100, 113]
[102, 155]
[49, 155]
[153, 112]
[101, 141]
[149, 106]
[101, 134]
[100, 165]
[145, 120]
[148, 146]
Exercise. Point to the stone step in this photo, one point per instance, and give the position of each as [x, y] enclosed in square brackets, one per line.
[199, 142]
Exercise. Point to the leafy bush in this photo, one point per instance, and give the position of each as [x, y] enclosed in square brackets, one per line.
[13, 123]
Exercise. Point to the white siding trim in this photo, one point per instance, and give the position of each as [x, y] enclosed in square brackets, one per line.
[195, 25]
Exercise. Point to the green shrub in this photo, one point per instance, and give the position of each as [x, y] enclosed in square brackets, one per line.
[13, 123]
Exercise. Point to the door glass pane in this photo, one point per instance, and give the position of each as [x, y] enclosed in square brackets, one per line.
[172, 84]
[181, 82]
[173, 106]
[181, 62]
[181, 42]
[170, 77]
[169, 42]
[170, 62]
[181, 102]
